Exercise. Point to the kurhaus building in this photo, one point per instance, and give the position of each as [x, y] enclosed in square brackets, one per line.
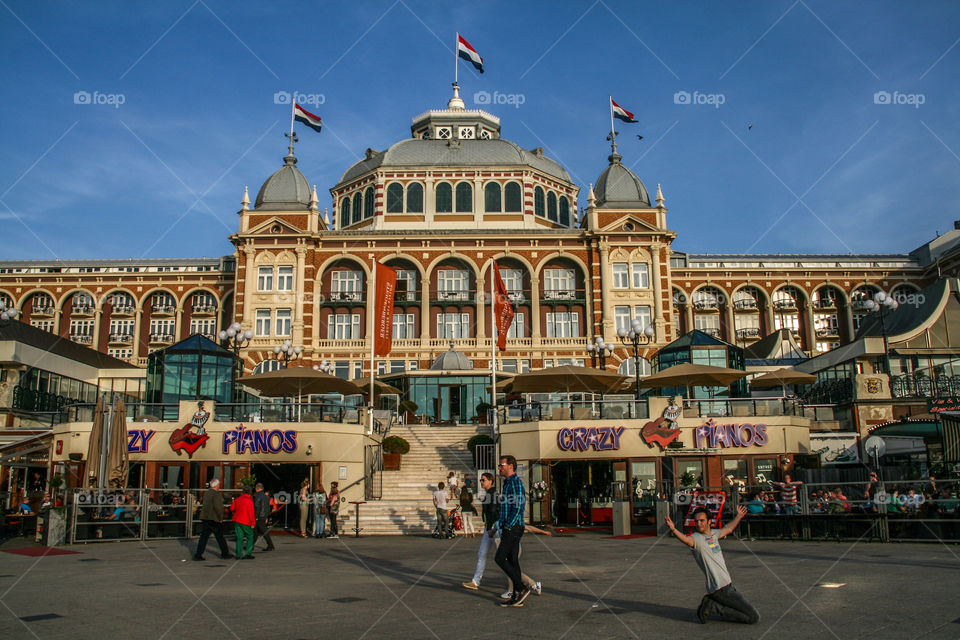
[438, 206]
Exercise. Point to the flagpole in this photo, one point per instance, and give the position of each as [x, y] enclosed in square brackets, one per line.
[612, 134]
[373, 341]
[493, 345]
[456, 54]
[292, 136]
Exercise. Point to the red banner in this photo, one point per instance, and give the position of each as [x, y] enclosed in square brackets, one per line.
[502, 309]
[383, 308]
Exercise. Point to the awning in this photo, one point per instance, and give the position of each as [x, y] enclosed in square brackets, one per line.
[908, 429]
[26, 446]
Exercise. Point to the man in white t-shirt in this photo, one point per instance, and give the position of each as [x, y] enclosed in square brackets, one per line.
[440, 502]
[722, 597]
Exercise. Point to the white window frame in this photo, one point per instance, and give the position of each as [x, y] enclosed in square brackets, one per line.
[163, 326]
[346, 285]
[283, 324]
[563, 324]
[344, 326]
[203, 326]
[410, 277]
[263, 323]
[404, 326]
[517, 327]
[621, 275]
[453, 326]
[285, 278]
[453, 284]
[640, 275]
[621, 318]
[644, 314]
[559, 283]
[265, 279]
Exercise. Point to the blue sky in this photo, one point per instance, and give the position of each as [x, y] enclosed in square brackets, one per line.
[825, 168]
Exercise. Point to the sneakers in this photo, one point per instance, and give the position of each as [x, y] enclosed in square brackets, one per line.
[506, 595]
[472, 586]
[704, 610]
[521, 595]
[510, 602]
[537, 588]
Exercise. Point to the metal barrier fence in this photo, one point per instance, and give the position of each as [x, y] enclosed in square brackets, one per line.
[286, 412]
[485, 457]
[905, 511]
[574, 410]
[137, 411]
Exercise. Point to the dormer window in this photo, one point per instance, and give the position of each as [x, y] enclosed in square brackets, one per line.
[444, 133]
[466, 133]
[484, 135]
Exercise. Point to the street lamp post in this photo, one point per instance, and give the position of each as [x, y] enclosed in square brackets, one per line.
[7, 313]
[234, 337]
[599, 350]
[286, 352]
[633, 337]
[881, 301]
[325, 367]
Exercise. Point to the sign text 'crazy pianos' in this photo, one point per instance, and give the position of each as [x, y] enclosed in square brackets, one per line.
[259, 440]
[712, 435]
[583, 438]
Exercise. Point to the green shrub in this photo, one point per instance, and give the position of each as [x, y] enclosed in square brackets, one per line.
[395, 444]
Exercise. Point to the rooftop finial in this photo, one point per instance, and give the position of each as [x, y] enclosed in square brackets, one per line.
[659, 196]
[245, 203]
[591, 197]
[313, 199]
[456, 102]
[326, 217]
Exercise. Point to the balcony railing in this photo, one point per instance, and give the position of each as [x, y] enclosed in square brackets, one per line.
[742, 407]
[82, 338]
[204, 308]
[748, 332]
[921, 386]
[163, 309]
[828, 332]
[82, 309]
[607, 409]
[45, 310]
[745, 305]
[287, 412]
[706, 305]
[123, 310]
[136, 411]
[784, 304]
[560, 294]
[860, 305]
[452, 296]
[347, 296]
[825, 303]
[121, 338]
[713, 332]
[161, 338]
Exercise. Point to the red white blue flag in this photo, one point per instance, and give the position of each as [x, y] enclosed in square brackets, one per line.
[303, 116]
[468, 53]
[620, 113]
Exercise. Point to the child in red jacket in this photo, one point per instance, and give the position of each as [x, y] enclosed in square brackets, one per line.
[243, 523]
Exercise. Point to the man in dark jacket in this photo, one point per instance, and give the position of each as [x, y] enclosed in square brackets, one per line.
[261, 510]
[211, 517]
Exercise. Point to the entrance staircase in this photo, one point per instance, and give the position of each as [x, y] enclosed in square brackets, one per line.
[407, 504]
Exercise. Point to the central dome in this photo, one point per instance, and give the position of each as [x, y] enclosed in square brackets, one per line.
[619, 188]
[452, 360]
[285, 190]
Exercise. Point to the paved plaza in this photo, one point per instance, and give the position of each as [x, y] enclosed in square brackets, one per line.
[409, 587]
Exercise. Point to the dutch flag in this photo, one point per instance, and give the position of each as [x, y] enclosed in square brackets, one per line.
[620, 113]
[302, 115]
[468, 53]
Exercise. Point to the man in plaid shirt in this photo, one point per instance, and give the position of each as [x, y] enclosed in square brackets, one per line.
[512, 502]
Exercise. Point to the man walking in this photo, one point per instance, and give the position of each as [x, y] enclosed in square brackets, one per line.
[440, 503]
[488, 539]
[722, 597]
[211, 517]
[261, 512]
[510, 523]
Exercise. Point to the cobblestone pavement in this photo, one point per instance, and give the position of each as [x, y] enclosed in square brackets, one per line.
[391, 587]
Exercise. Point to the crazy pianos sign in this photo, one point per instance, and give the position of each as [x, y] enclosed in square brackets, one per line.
[712, 435]
[258, 441]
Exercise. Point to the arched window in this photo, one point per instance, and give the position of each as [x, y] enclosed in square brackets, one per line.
[368, 203]
[414, 197]
[905, 294]
[539, 204]
[344, 212]
[357, 208]
[512, 198]
[564, 211]
[464, 196]
[491, 197]
[444, 193]
[395, 198]
[629, 367]
[552, 206]
[268, 365]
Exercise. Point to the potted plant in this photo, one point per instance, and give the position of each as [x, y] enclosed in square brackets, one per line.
[393, 449]
[539, 490]
[480, 438]
[408, 409]
[483, 412]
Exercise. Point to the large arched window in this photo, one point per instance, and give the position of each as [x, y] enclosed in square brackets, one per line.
[552, 206]
[491, 197]
[464, 196]
[512, 198]
[564, 211]
[444, 194]
[344, 212]
[539, 202]
[629, 367]
[395, 198]
[357, 208]
[414, 197]
[368, 203]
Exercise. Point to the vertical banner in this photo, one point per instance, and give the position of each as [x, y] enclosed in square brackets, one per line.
[383, 308]
[502, 309]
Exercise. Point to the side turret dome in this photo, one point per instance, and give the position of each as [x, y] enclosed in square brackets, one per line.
[285, 190]
[619, 188]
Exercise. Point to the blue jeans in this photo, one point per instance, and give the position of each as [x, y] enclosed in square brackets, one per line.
[319, 523]
[487, 542]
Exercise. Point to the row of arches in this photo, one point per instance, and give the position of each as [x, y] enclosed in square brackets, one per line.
[118, 297]
[710, 296]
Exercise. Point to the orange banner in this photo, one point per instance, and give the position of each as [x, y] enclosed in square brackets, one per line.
[502, 309]
[383, 307]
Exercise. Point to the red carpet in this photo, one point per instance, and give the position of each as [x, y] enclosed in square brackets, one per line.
[39, 551]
